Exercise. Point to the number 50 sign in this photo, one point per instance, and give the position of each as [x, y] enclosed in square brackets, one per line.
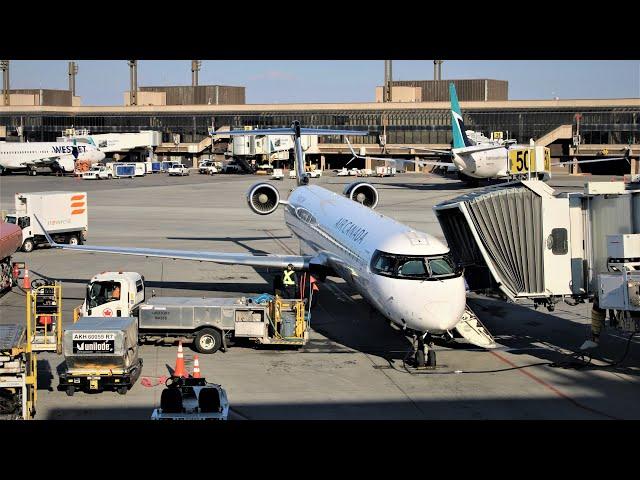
[523, 160]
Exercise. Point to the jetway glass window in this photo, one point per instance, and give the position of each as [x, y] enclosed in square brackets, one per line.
[558, 241]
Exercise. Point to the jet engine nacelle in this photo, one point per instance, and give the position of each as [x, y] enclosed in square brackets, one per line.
[66, 164]
[363, 193]
[263, 198]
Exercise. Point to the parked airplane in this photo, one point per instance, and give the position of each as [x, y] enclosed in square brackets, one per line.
[59, 156]
[407, 275]
[483, 158]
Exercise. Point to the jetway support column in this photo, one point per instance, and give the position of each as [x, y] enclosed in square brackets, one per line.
[635, 165]
[322, 162]
[367, 163]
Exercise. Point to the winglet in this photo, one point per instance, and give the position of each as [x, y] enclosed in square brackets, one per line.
[46, 234]
[352, 151]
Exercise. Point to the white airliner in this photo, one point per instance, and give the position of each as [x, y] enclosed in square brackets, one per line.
[405, 274]
[59, 156]
[475, 159]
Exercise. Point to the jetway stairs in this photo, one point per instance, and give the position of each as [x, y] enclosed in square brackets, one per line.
[563, 132]
[531, 243]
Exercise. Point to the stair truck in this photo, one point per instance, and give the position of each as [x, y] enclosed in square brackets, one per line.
[63, 214]
[209, 321]
[100, 353]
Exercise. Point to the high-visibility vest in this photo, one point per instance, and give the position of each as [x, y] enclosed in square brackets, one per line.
[287, 277]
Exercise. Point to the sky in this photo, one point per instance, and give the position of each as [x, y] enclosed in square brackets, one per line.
[103, 82]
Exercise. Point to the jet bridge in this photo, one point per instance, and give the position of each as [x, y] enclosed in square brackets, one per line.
[532, 243]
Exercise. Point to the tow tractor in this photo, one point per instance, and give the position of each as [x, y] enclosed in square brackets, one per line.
[192, 399]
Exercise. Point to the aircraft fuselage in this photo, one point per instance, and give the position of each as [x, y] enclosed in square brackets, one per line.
[350, 235]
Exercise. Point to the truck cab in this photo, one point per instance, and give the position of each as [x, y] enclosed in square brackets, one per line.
[98, 172]
[114, 294]
[63, 214]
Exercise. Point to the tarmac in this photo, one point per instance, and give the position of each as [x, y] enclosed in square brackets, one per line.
[353, 367]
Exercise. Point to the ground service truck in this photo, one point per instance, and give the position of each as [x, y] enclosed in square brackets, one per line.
[63, 214]
[208, 321]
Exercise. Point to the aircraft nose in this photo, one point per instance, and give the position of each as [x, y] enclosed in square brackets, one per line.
[440, 306]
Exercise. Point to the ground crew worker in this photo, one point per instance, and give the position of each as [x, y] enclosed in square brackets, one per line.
[290, 282]
[116, 293]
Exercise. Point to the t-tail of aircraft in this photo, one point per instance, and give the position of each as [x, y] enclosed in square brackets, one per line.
[460, 139]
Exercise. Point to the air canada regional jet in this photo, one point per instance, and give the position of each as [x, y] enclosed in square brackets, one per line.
[407, 275]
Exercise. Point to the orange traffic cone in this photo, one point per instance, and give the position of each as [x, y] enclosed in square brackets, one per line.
[180, 371]
[26, 281]
[196, 367]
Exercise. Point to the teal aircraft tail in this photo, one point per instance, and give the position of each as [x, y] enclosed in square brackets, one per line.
[460, 139]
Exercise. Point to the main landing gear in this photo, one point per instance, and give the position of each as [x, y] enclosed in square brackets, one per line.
[425, 355]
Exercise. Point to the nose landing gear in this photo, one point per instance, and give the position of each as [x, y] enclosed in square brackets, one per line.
[424, 354]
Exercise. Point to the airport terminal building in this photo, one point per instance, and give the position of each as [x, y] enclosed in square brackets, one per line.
[568, 127]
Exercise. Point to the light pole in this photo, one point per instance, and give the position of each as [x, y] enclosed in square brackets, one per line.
[4, 65]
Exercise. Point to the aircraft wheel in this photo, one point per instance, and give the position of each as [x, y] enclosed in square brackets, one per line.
[420, 358]
[73, 240]
[431, 358]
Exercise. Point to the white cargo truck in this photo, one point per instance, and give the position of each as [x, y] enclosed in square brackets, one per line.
[63, 214]
[208, 321]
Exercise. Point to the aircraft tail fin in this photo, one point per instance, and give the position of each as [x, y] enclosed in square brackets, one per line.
[460, 139]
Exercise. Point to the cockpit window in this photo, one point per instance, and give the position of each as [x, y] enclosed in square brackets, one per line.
[383, 264]
[441, 266]
[412, 267]
[432, 267]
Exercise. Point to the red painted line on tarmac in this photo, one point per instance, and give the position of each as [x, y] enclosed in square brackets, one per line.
[551, 387]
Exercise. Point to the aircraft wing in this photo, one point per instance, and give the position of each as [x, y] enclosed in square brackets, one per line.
[573, 162]
[428, 150]
[399, 160]
[291, 131]
[253, 260]
[44, 162]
